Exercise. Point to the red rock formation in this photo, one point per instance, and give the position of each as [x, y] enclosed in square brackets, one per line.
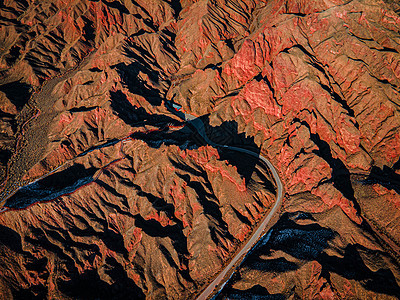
[128, 200]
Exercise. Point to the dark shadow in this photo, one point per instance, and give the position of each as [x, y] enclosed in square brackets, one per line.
[13, 55]
[336, 96]
[67, 177]
[304, 242]
[189, 138]
[143, 63]
[35, 292]
[229, 43]
[245, 164]
[352, 267]
[117, 5]
[176, 6]
[89, 285]
[210, 208]
[88, 31]
[307, 242]
[69, 180]
[39, 238]
[254, 293]
[396, 165]
[386, 177]
[183, 138]
[175, 233]
[226, 134]
[51, 186]
[63, 237]
[154, 229]
[125, 110]
[159, 204]
[95, 70]
[340, 174]
[81, 109]
[278, 265]
[78, 286]
[137, 116]
[130, 77]
[17, 92]
[241, 217]
[5, 156]
[11, 239]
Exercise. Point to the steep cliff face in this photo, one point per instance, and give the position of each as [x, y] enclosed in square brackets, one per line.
[107, 194]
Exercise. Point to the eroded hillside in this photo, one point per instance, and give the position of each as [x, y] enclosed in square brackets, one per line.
[108, 194]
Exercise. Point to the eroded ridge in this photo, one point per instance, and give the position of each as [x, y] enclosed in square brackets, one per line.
[128, 200]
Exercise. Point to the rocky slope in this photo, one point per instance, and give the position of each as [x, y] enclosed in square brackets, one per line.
[107, 194]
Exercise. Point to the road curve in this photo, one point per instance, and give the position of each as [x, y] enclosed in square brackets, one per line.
[198, 124]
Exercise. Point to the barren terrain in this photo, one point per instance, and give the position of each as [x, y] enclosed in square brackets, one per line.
[106, 193]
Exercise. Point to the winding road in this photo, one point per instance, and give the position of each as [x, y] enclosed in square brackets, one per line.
[222, 277]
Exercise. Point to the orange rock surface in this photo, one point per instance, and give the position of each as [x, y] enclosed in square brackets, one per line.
[107, 194]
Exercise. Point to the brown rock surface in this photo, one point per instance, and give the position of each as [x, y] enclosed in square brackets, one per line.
[119, 198]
